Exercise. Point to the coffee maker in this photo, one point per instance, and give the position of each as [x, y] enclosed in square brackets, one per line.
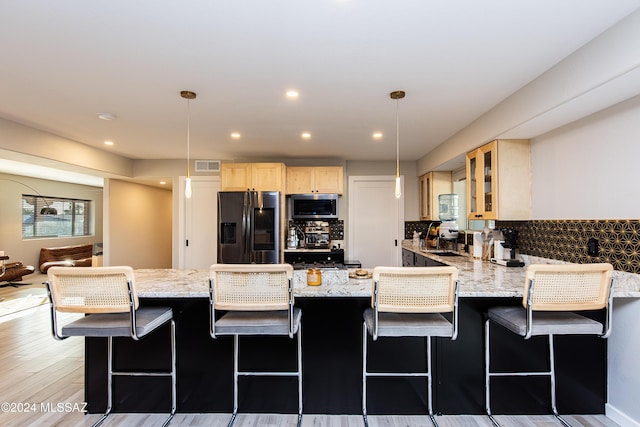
[510, 245]
[292, 240]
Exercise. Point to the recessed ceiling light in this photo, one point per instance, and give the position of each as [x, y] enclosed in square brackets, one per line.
[306, 135]
[377, 135]
[163, 182]
[235, 135]
[292, 94]
[108, 143]
[107, 116]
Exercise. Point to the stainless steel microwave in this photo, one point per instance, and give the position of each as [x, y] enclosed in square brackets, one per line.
[313, 206]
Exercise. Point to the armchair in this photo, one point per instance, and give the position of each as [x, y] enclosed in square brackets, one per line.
[13, 271]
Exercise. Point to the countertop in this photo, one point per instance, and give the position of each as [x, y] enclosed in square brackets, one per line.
[477, 279]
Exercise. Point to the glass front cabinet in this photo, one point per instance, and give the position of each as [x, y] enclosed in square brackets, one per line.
[499, 181]
[431, 185]
[481, 185]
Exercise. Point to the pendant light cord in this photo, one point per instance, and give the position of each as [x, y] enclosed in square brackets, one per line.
[397, 140]
[188, 137]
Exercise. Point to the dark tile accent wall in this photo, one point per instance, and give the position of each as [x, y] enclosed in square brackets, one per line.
[419, 226]
[618, 240]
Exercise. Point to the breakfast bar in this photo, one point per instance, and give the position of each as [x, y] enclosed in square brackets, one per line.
[332, 367]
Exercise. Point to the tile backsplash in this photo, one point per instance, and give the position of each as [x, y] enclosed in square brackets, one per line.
[618, 240]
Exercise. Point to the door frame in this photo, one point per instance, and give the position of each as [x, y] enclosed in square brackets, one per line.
[180, 227]
[353, 180]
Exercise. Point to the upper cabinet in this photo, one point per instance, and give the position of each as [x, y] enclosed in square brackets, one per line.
[317, 179]
[431, 185]
[499, 181]
[252, 176]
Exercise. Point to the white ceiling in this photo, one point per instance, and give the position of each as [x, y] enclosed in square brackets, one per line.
[64, 62]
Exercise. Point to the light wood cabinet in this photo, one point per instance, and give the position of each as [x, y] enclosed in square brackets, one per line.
[499, 181]
[253, 176]
[314, 179]
[431, 185]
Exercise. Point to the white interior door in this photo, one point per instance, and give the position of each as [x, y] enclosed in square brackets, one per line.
[376, 221]
[200, 240]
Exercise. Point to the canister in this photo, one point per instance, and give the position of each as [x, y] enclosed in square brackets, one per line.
[314, 277]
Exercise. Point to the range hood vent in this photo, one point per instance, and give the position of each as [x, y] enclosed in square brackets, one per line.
[207, 165]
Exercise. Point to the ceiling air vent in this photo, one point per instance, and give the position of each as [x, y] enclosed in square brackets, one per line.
[207, 165]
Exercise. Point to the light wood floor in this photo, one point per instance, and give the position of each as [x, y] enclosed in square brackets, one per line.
[37, 373]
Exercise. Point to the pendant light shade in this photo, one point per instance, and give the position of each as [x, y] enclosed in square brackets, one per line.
[398, 94]
[188, 95]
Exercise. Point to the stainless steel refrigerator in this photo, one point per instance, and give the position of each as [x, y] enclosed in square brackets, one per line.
[248, 227]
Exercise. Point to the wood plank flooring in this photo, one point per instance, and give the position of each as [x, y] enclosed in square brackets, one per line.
[37, 373]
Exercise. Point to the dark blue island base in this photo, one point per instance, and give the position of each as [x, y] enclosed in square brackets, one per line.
[332, 367]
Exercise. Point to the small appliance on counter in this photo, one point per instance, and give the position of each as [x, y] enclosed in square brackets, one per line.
[510, 243]
[449, 229]
[295, 238]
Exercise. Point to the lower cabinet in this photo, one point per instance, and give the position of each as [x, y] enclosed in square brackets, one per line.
[408, 258]
[423, 261]
[412, 259]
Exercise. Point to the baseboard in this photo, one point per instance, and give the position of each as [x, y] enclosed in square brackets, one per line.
[619, 417]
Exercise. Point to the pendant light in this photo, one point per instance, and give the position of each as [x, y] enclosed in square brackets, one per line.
[188, 95]
[398, 94]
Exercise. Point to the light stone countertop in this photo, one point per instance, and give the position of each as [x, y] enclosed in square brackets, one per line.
[477, 279]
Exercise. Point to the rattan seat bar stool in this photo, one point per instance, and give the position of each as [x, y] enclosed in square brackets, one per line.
[552, 296]
[258, 300]
[409, 302]
[107, 296]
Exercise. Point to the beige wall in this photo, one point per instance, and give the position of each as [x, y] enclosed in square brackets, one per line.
[28, 251]
[138, 232]
[382, 168]
[600, 74]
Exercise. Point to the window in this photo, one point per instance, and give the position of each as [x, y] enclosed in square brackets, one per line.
[54, 217]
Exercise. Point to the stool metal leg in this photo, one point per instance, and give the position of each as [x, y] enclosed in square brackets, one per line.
[109, 382]
[429, 382]
[237, 373]
[299, 376]
[487, 374]
[173, 374]
[552, 376]
[364, 373]
[235, 381]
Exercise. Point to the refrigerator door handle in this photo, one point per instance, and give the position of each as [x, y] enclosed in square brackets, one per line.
[249, 197]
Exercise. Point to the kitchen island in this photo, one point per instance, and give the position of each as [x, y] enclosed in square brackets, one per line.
[332, 330]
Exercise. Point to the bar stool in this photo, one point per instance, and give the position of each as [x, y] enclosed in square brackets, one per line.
[259, 300]
[107, 295]
[552, 295]
[408, 302]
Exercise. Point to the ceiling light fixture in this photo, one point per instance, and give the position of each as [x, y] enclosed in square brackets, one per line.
[398, 94]
[188, 95]
[377, 135]
[235, 135]
[108, 143]
[107, 116]
[306, 135]
[292, 94]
